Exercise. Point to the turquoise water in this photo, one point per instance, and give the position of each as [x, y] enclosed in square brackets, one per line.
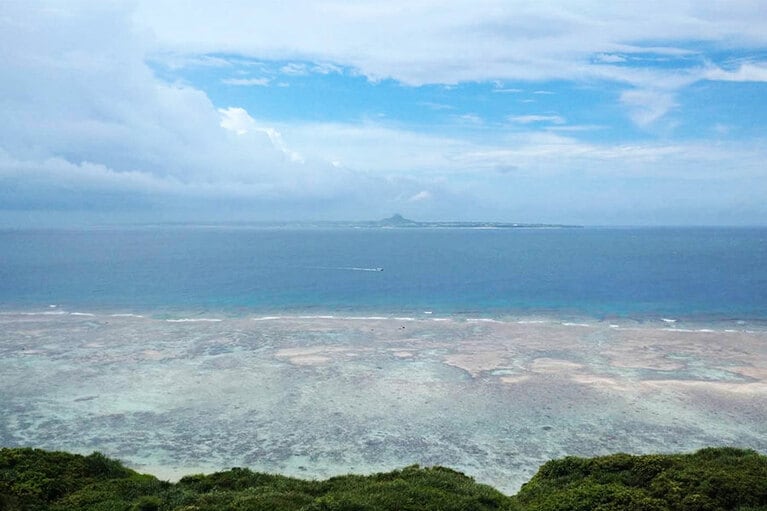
[692, 272]
[188, 349]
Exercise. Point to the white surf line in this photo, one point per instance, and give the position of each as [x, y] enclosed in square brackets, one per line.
[269, 318]
[194, 320]
[328, 317]
[44, 313]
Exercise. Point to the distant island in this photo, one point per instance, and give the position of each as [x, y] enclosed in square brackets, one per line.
[398, 221]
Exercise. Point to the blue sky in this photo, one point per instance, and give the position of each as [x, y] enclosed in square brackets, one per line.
[629, 113]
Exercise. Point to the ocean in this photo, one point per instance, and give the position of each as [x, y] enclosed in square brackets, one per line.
[711, 273]
[314, 352]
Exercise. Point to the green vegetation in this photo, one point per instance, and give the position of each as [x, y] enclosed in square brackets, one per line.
[711, 479]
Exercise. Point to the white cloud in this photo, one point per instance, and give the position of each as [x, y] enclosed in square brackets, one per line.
[276, 138]
[237, 120]
[179, 61]
[610, 58]
[376, 148]
[436, 106]
[294, 69]
[259, 82]
[472, 119]
[240, 122]
[528, 119]
[746, 72]
[83, 116]
[430, 42]
[573, 128]
[326, 68]
[423, 195]
[388, 151]
[647, 106]
[85, 175]
[434, 42]
[85, 125]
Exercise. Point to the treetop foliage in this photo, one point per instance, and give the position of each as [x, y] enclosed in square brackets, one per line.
[708, 480]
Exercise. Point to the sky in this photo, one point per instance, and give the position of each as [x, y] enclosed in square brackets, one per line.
[580, 111]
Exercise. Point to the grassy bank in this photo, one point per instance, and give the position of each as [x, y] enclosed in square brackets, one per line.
[710, 479]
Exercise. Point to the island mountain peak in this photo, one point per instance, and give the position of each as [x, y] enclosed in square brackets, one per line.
[397, 219]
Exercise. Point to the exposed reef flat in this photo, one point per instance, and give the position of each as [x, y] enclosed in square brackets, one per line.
[315, 396]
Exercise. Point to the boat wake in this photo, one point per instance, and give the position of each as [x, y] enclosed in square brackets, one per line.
[349, 268]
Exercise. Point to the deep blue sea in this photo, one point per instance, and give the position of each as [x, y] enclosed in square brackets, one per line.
[599, 272]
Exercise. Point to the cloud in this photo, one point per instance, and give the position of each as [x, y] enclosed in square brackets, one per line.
[423, 195]
[307, 68]
[87, 126]
[430, 42]
[294, 69]
[528, 119]
[237, 120]
[86, 123]
[434, 42]
[647, 106]
[85, 176]
[260, 82]
[574, 128]
[544, 155]
[609, 58]
[436, 106]
[179, 61]
[470, 119]
[376, 148]
[746, 72]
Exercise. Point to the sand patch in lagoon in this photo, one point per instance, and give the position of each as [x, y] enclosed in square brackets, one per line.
[478, 362]
[553, 365]
[494, 399]
[153, 354]
[311, 356]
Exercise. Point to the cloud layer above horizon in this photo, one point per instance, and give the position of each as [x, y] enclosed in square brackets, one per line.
[628, 113]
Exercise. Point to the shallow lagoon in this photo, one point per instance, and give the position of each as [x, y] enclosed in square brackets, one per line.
[315, 396]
